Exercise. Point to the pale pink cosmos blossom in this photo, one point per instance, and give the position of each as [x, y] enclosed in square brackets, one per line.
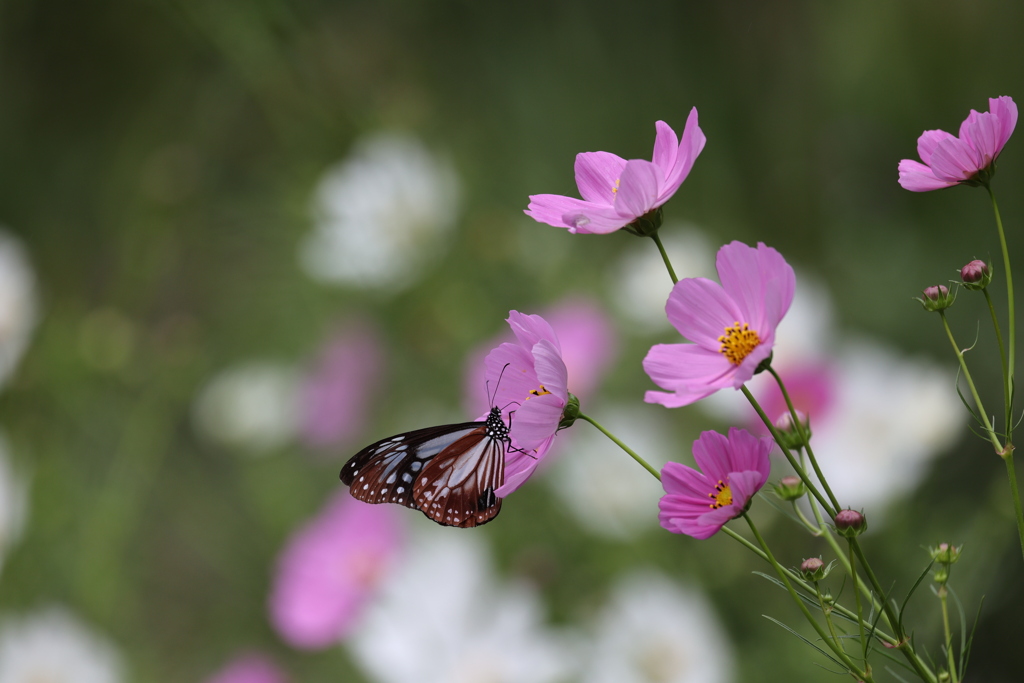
[732, 469]
[587, 338]
[330, 568]
[732, 325]
[251, 667]
[617, 192]
[529, 381]
[950, 160]
[337, 388]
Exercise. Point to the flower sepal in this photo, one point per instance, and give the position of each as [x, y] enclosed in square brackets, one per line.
[570, 414]
[815, 569]
[937, 298]
[790, 488]
[646, 225]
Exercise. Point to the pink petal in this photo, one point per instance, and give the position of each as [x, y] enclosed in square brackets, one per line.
[705, 526]
[689, 372]
[983, 136]
[638, 189]
[520, 466]
[530, 329]
[929, 140]
[760, 282]
[744, 485]
[917, 177]
[575, 214]
[749, 452]
[690, 148]
[666, 147]
[550, 368]
[701, 311]
[510, 375]
[537, 420]
[1004, 109]
[684, 482]
[597, 176]
[713, 454]
[955, 160]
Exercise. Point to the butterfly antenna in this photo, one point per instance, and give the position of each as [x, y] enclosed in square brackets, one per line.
[490, 397]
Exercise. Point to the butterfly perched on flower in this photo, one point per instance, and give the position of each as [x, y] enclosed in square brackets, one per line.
[450, 472]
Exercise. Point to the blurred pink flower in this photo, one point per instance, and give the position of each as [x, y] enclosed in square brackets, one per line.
[587, 338]
[732, 325]
[334, 394]
[530, 381]
[698, 503]
[616, 192]
[330, 568]
[252, 667]
[950, 160]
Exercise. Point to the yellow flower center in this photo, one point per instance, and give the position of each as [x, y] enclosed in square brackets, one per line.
[738, 341]
[722, 495]
[615, 189]
[541, 391]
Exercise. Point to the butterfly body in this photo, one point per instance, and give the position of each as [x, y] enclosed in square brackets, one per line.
[449, 472]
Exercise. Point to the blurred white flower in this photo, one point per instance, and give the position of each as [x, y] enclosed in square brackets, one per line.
[52, 645]
[381, 214]
[877, 416]
[607, 492]
[18, 305]
[13, 500]
[252, 406]
[656, 631]
[642, 283]
[442, 617]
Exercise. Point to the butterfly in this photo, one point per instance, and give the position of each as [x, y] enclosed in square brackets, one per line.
[450, 472]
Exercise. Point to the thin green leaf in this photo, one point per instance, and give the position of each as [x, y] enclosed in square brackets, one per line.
[825, 653]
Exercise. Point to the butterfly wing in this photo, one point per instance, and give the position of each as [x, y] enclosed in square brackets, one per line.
[456, 488]
[384, 471]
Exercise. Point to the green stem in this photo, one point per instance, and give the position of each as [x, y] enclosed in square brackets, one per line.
[623, 446]
[1012, 476]
[951, 661]
[806, 439]
[799, 580]
[664, 257]
[1007, 396]
[982, 415]
[836, 649]
[860, 611]
[1009, 291]
[785, 451]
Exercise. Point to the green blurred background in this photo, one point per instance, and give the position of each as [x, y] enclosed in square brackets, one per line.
[158, 160]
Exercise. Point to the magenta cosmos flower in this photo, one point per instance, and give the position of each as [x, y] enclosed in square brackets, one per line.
[329, 569]
[950, 160]
[617, 192]
[732, 469]
[530, 382]
[732, 325]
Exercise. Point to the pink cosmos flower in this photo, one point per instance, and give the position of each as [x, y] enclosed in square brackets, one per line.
[950, 160]
[333, 395]
[587, 338]
[529, 380]
[732, 325]
[732, 469]
[252, 667]
[616, 192]
[329, 569]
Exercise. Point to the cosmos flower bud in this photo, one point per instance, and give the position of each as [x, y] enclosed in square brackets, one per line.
[790, 488]
[850, 523]
[814, 569]
[976, 275]
[937, 298]
[793, 435]
[945, 553]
